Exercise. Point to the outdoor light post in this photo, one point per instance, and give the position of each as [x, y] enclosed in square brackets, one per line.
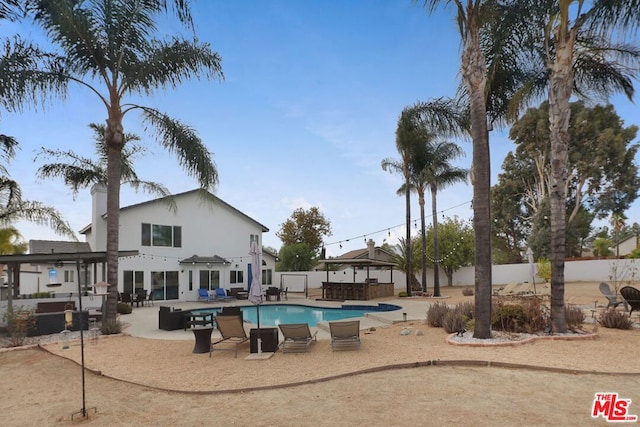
[83, 410]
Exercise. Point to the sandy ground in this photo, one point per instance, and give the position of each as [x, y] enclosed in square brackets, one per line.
[136, 381]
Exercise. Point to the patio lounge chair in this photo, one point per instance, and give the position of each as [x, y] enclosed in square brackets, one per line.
[345, 335]
[232, 331]
[203, 295]
[221, 295]
[297, 337]
[631, 295]
[614, 300]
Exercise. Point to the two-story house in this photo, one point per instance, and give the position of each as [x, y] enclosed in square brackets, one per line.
[202, 242]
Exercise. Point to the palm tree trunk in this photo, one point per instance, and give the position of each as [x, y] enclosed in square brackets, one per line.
[474, 75]
[436, 244]
[114, 138]
[407, 196]
[423, 228]
[561, 82]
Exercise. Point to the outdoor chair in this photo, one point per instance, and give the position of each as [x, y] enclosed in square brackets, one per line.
[631, 295]
[221, 295]
[297, 337]
[149, 300]
[613, 299]
[203, 295]
[140, 298]
[125, 297]
[345, 335]
[232, 331]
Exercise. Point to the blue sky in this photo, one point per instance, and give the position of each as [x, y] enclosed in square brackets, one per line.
[306, 112]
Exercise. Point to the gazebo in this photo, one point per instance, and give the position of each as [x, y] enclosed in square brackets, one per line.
[364, 290]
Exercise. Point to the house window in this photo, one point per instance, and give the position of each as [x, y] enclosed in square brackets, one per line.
[267, 277]
[132, 280]
[165, 284]
[254, 238]
[68, 276]
[161, 235]
[236, 276]
[209, 279]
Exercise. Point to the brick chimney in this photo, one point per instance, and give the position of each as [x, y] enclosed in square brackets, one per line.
[371, 246]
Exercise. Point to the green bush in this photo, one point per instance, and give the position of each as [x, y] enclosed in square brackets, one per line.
[41, 295]
[543, 267]
[615, 319]
[402, 294]
[436, 313]
[19, 320]
[124, 308]
[111, 327]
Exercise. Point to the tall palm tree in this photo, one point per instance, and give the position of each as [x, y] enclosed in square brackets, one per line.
[80, 172]
[471, 17]
[440, 174]
[406, 133]
[107, 47]
[577, 56]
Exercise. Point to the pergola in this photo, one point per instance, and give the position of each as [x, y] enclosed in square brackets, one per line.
[13, 263]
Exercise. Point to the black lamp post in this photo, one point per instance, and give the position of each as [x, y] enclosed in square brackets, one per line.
[83, 410]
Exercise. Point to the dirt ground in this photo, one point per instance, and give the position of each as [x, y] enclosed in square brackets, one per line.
[393, 379]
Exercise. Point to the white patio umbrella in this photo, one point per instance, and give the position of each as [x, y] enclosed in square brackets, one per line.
[532, 265]
[255, 290]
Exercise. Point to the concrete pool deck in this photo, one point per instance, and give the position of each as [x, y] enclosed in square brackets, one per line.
[143, 321]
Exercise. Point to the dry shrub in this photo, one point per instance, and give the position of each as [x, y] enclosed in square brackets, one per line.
[508, 317]
[459, 317]
[467, 292]
[436, 313]
[454, 320]
[614, 319]
[574, 316]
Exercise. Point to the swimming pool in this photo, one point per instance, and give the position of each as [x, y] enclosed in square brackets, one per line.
[275, 314]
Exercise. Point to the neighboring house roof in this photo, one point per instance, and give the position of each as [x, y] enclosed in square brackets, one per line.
[57, 246]
[175, 196]
[195, 259]
[358, 254]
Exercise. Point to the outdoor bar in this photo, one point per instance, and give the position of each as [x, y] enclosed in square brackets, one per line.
[357, 290]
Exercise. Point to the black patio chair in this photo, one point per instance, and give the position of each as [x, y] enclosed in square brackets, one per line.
[632, 296]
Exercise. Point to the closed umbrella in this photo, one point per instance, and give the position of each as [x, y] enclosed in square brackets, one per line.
[255, 289]
[532, 266]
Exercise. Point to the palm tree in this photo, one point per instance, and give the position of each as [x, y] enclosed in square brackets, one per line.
[107, 47]
[406, 133]
[80, 172]
[440, 174]
[577, 56]
[401, 259]
[11, 241]
[617, 225]
[470, 19]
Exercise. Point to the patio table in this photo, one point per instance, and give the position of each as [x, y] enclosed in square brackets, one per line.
[203, 339]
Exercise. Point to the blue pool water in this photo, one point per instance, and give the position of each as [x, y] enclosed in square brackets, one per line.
[275, 314]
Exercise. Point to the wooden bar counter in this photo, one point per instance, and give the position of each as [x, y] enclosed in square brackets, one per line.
[358, 291]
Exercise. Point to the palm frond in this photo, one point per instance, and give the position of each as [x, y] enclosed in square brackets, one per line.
[159, 190]
[170, 64]
[36, 213]
[180, 139]
[28, 75]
